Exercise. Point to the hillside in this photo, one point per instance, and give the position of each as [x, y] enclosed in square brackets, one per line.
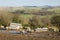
[32, 10]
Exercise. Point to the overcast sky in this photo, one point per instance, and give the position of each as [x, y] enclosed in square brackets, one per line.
[29, 2]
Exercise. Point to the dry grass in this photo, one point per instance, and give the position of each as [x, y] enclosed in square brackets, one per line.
[32, 36]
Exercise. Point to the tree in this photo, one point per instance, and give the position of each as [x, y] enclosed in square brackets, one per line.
[35, 22]
[25, 22]
[16, 18]
[5, 19]
[46, 21]
[20, 19]
[55, 21]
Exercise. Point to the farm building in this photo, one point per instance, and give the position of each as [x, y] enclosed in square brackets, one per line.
[1, 26]
[15, 26]
[41, 29]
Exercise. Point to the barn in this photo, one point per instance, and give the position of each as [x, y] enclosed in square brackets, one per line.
[15, 26]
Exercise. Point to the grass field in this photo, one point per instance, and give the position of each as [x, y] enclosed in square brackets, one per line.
[30, 16]
[26, 15]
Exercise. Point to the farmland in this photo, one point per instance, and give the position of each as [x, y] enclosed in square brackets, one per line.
[30, 17]
[21, 14]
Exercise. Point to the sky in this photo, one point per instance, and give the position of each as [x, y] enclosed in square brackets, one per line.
[29, 2]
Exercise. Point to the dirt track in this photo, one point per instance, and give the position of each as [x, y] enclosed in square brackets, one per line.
[32, 36]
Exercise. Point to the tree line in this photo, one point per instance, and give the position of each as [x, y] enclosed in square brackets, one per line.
[34, 22]
[34, 12]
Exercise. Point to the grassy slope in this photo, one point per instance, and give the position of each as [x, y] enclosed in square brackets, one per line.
[57, 10]
[26, 15]
[30, 16]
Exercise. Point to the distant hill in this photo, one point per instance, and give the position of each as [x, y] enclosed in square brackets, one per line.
[32, 9]
[28, 7]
